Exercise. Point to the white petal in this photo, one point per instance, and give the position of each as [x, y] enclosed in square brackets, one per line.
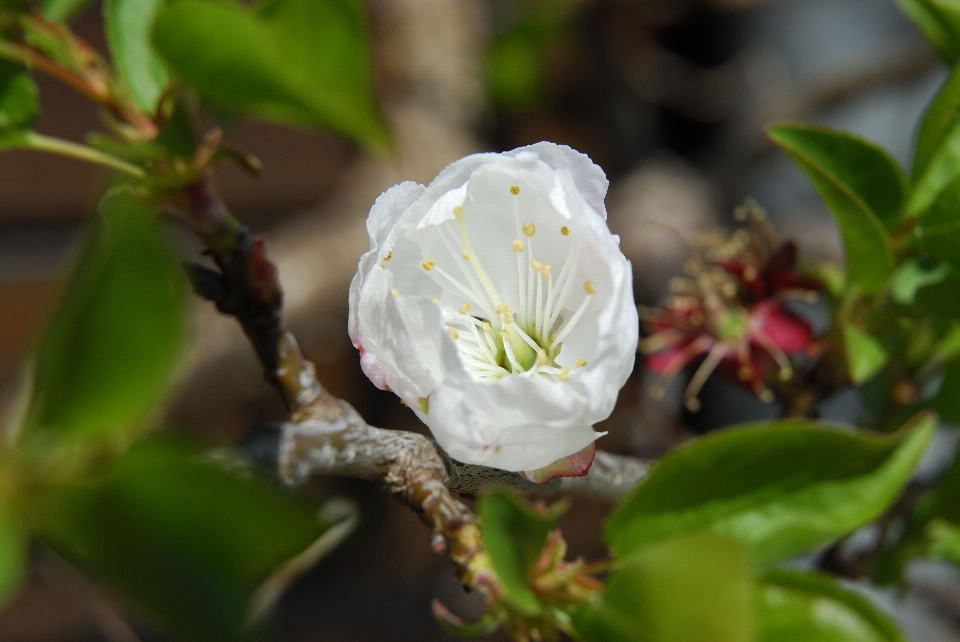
[588, 177]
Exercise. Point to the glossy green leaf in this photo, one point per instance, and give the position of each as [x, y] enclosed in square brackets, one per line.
[865, 354]
[63, 10]
[13, 555]
[939, 119]
[939, 21]
[514, 534]
[185, 539]
[779, 488]
[128, 25]
[19, 99]
[862, 187]
[110, 349]
[939, 175]
[808, 607]
[304, 63]
[696, 587]
[938, 231]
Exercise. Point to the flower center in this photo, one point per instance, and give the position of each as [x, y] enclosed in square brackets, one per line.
[496, 340]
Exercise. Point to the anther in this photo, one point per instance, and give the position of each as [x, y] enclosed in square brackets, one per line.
[564, 373]
[517, 245]
[588, 287]
[453, 333]
[486, 327]
[428, 264]
[436, 301]
[505, 335]
[396, 293]
[692, 404]
[465, 255]
[514, 189]
[465, 308]
[529, 229]
[744, 373]
[545, 272]
[541, 357]
[536, 265]
[581, 363]
[766, 396]
[565, 230]
[458, 210]
[389, 255]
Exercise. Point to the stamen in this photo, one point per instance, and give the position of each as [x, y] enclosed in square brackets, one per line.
[465, 308]
[428, 264]
[486, 327]
[436, 301]
[571, 324]
[565, 230]
[515, 189]
[714, 357]
[529, 229]
[466, 257]
[541, 357]
[545, 272]
[570, 265]
[389, 255]
[517, 245]
[396, 292]
[536, 265]
[581, 363]
[588, 288]
[453, 333]
[564, 373]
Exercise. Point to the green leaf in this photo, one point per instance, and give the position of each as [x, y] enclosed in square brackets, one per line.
[938, 231]
[304, 63]
[110, 349]
[63, 10]
[912, 276]
[13, 555]
[514, 534]
[940, 299]
[860, 184]
[940, 118]
[779, 488]
[697, 587]
[865, 354]
[940, 174]
[128, 24]
[187, 540]
[801, 607]
[19, 99]
[939, 20]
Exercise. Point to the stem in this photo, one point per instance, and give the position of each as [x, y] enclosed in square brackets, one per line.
[39, 142]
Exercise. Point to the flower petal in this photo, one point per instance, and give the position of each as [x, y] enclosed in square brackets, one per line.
[786, 331]
[576, 465]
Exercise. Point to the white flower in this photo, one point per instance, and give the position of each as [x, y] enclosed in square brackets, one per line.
[497, 304]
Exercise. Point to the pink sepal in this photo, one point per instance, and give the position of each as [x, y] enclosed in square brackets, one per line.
[576, 465]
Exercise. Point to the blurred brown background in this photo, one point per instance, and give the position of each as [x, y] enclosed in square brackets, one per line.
[668, 96]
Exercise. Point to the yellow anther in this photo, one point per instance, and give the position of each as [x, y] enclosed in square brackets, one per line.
[536, 265]
[541, 357]
[588, 287]
[529, 229]
[514, 189]
[564, 373]
[692, 404]
[436, 301]
[486, 327]
[545, 272]
[465, 255]
[581, 363]
[458, 210]
[453, 333]
[565, 230]
[505, 335]
[508, 319]
[465, 308]
[428, 264]
[503, 309]
[389, 255]
[396, 293]
[518, 245]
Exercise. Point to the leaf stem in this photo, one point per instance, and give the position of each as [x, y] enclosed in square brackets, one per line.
[39, 142]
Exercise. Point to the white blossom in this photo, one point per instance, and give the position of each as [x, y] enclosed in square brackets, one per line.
[497, 304]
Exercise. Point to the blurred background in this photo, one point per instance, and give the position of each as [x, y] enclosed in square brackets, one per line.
[670, 97]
